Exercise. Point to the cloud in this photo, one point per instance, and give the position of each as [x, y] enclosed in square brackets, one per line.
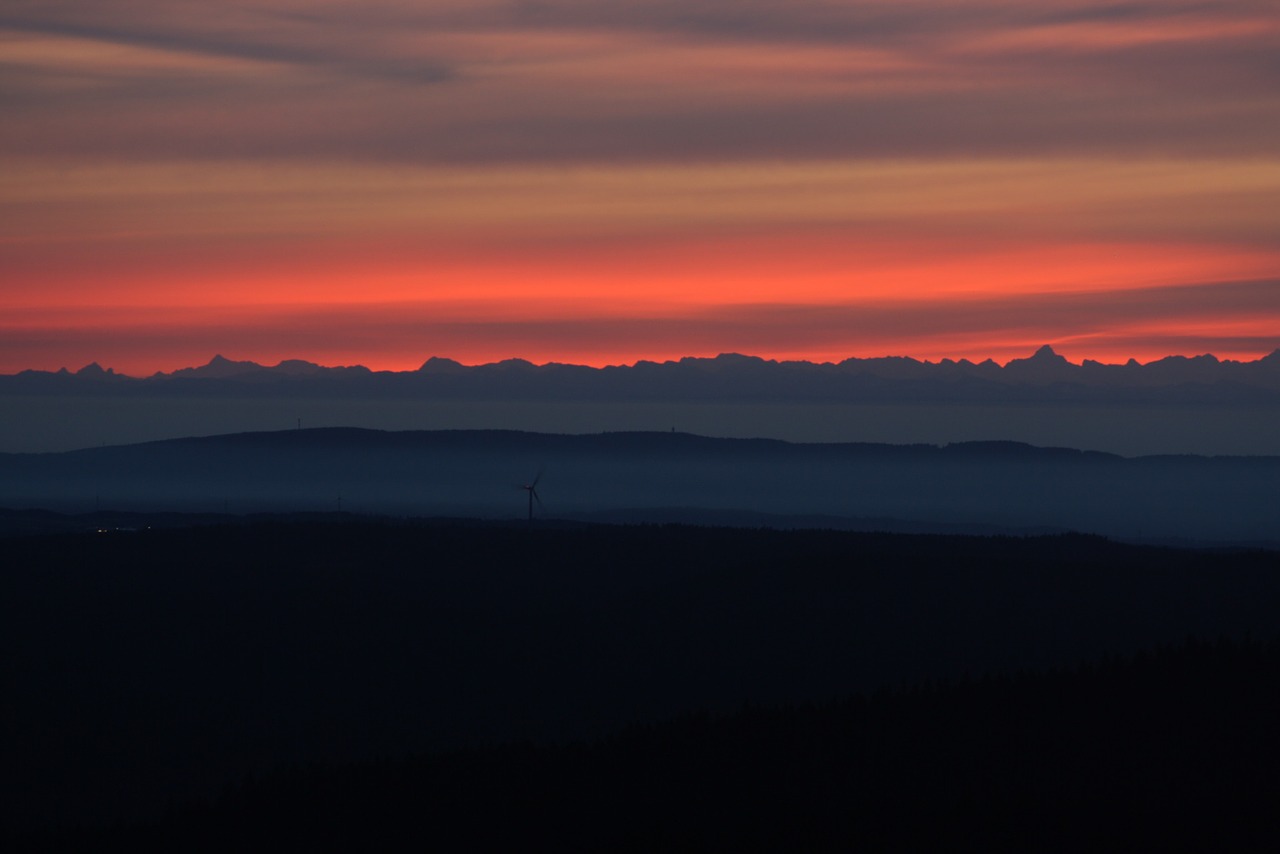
[564, 81]
[1059, 199]
[176, 29]
[812, 156]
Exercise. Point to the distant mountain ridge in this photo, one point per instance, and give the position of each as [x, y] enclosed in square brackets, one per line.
[1043, 375]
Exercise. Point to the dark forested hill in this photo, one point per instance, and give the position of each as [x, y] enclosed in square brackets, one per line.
[1171, 751]
[975, 487]
[147, 666]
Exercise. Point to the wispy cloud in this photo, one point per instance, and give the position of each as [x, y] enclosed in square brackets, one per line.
[1198, 199]
[602, 81]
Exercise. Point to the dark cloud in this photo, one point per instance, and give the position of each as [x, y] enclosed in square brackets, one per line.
[869, 23]
[333, 57]
[212, 118]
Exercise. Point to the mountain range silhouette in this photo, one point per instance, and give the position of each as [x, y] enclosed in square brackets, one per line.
[1175, 405]
[1044, 375]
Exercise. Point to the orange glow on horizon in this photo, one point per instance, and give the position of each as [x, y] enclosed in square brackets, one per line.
[823, 267]
[822, 296]
[400, 336]
[150, 268]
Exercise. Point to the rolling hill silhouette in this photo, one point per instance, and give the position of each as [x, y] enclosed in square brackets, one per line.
[976, 487]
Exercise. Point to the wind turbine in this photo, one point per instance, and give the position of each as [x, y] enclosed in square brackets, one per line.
[532, 489]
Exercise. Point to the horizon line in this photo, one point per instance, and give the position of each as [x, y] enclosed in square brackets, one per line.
[1044, 351]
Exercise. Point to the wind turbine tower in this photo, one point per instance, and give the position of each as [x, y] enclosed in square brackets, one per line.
[532, 489]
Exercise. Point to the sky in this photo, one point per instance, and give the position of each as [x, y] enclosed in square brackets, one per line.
[380, 181]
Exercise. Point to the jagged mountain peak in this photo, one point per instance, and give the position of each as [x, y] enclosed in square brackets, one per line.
[848, 379]
[298, 367]
[94, 371]
[438, 364]
[1040, 363]
[220, 366]
[1046, 353]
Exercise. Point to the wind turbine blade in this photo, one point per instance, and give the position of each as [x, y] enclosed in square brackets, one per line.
[535, 497]
[536, 478]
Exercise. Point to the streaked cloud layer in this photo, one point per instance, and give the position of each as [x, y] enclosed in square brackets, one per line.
[614, 181]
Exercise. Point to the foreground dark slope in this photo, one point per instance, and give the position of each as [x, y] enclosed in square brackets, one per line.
[142, 667]
[979, 486]
[1172, 751]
